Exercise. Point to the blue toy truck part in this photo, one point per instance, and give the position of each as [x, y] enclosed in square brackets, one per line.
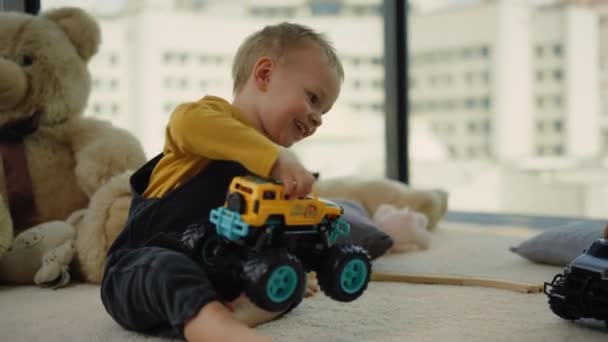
[339, 227]
[228, 223]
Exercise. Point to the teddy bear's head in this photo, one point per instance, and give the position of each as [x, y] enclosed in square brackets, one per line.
[44, 78]
[407, 227]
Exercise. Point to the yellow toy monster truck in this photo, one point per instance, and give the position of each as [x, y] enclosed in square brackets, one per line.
[268, 242]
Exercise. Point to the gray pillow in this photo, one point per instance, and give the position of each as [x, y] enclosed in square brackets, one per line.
[363, 231]
[558, 246]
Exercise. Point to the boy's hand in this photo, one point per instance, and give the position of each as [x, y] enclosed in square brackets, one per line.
[297, 181]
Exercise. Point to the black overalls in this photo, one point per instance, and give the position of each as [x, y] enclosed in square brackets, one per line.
[151, 282]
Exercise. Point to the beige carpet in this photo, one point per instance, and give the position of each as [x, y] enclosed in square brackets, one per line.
[386, 312]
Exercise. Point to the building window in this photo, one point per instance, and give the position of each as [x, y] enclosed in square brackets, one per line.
[113, 59]
[468, 77]
[469, 103]
[324, 7]
[540, 101]
[540, 150]
[485, 76]
[183, 58]
[558, 125]
[487, 126]
[472, 151]
[557, 50]
[557, 100]
[540, 75]
[167, 57]
[484, 51]
[540, 126]
[452, 151]
[558, 74]
[472, 126]
[558, 149]
[467, 53]
[485, 103]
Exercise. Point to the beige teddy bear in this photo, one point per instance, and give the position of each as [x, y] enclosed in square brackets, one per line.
[62, 176]
[407, 228]
[373, 192]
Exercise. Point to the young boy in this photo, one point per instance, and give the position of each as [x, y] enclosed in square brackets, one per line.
[285, 78]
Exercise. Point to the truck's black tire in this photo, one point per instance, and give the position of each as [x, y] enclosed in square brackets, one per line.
[561, 309]
[345, 272]
[274, 280]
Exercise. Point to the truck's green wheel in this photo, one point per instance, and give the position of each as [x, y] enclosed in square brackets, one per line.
[345, 273]
[282, 283]
[274, 280]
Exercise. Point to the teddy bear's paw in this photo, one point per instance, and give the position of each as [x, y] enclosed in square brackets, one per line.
[54, 270]
[62, 280]
[49, 273]
[63, 254]
[53, 275]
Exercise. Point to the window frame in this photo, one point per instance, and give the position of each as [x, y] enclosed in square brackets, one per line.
[396, 89]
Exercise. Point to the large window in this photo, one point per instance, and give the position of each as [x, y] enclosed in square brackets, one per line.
[156, 54]
[508, 107]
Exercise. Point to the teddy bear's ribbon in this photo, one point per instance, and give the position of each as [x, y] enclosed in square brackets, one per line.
[18, 184]
[14, 131]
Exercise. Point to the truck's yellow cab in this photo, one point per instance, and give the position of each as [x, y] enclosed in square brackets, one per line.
[258, 199]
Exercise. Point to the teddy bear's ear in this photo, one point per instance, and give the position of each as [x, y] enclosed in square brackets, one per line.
[81, 29]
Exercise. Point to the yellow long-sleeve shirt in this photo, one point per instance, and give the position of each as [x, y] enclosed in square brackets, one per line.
[203, 131]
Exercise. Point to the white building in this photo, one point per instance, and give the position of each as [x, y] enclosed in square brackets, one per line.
[601, 8]
[524, 81]
[502, 80]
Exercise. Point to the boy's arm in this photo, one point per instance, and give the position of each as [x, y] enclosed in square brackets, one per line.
[217, 135]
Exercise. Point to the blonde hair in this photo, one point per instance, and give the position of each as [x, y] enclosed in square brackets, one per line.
[273, 41]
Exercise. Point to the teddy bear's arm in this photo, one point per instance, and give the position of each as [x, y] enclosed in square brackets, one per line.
[102, 151]
[6, 228]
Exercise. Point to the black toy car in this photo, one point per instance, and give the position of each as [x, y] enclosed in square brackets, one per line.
[582, 290]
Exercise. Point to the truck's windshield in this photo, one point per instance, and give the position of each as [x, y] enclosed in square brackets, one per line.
[598, 250]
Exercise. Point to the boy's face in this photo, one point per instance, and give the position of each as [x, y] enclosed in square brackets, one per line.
[295, 93]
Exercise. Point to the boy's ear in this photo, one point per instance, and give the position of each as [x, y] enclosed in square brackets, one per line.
[262, 71]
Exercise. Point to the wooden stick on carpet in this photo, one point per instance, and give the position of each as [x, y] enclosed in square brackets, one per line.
[457, 280]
